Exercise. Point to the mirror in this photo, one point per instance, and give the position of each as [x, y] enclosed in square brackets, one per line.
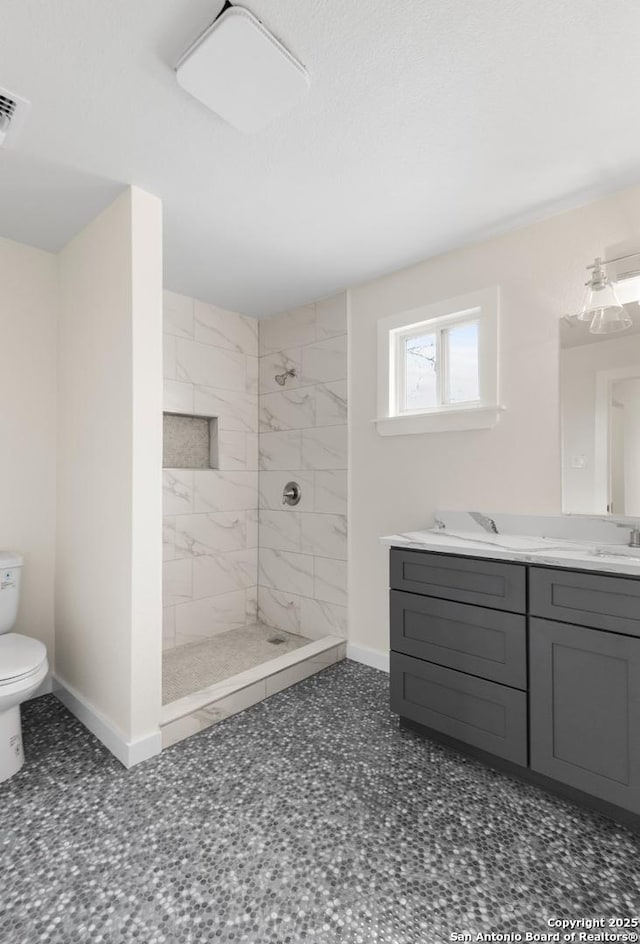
[600, 418]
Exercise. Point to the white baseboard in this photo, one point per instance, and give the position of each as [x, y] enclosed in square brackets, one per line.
[128, 752]
[376, 658]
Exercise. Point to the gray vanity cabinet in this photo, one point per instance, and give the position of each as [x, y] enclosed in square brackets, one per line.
[536, 669]
[585, 710]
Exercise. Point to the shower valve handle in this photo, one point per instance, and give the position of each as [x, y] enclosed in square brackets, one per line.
[291, 494]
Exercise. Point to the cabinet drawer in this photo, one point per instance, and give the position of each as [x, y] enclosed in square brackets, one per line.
[585, 710]
[461, 579]
[472, 639]
[484, 714]
[587, 599]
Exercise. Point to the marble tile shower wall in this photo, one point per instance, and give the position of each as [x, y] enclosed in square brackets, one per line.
[210, 521]
[302, 573]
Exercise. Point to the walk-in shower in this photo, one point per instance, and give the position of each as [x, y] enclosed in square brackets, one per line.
[255, 506]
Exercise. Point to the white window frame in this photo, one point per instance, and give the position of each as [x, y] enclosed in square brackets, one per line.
[481, 307]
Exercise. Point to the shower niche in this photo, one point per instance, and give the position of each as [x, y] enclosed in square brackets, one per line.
[189, 441]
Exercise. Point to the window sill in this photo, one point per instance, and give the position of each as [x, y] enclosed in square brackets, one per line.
[443, 421]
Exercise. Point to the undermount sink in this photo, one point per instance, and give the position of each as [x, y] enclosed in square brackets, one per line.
[616, 551]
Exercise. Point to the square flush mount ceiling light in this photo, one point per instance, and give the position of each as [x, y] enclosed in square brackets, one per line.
[242, 72]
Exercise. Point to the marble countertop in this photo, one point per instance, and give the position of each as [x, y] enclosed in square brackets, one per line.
[614, 558]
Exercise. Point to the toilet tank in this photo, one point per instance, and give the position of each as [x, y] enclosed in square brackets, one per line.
[10, 569]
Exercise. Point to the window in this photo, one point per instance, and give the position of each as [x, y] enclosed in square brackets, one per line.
[438, 366]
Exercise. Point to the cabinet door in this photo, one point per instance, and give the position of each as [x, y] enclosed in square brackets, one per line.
[585, 710]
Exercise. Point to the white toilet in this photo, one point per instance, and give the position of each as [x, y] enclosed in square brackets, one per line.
[23, 667]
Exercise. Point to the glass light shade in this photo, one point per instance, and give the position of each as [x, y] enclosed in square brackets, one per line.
[601, 296]
[609, 320]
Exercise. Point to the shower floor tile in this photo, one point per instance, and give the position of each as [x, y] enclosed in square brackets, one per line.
[191, 668]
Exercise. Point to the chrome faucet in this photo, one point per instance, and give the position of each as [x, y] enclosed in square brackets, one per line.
[634, 533]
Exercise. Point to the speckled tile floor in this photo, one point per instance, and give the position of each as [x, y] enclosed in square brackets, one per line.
[310, 817]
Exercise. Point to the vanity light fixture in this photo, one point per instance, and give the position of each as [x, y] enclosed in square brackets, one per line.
[602, 307]
[606, 297]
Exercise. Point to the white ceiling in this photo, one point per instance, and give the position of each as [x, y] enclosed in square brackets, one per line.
[429, 123]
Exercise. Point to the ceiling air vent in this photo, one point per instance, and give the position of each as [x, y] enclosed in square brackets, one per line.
[13, 111]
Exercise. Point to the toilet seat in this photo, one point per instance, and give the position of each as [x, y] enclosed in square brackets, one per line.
[21, 658]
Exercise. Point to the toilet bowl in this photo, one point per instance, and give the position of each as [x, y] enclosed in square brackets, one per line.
[23, 667]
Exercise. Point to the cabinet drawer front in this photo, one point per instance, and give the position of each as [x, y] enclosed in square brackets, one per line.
[585, 710]
[484, 714]
[482, 642]
[610, 603]
[461, 579]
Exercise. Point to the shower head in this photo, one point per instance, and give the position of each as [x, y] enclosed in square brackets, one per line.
[281, 378]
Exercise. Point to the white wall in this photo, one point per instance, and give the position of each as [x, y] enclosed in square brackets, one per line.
[303, 438]
[28, 314]
[108, 566]
[146, 480]
[398, 482]
[211, 516]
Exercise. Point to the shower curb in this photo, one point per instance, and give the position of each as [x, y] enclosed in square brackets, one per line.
[193, 713]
